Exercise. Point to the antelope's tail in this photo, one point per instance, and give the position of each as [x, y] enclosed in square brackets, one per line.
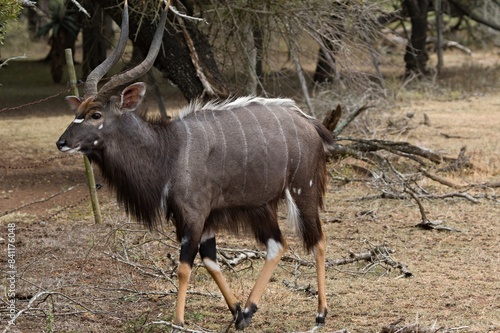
[325, 135]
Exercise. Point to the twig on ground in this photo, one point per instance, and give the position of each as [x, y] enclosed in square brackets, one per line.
[37, 296]
[350, 117]
[376, 255]
[4, 62]
[176, 328]
[426, 223]
[417, 328]
[39, 200]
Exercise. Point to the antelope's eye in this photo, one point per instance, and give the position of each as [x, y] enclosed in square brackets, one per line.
[96, 115]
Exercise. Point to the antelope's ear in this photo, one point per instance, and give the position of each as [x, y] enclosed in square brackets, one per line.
[132, 96]
[73, 102]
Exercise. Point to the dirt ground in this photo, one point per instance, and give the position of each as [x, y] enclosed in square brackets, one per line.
[75, 276]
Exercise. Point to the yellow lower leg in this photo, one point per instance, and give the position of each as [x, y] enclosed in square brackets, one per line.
[275, 251]
[214, 271]
[183, 273]
[320, 270]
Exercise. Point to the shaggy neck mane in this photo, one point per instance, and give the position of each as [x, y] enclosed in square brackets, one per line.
[134, 164]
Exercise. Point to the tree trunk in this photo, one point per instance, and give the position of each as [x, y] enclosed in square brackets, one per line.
[416, 55]
[325, 67]
[175, 60]
[35, 17]
[94, 41]
[330, 45]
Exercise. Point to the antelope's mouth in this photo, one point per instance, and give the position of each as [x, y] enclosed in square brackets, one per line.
[66, 149]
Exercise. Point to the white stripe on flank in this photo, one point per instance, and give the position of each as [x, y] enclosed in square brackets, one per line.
[205, 134]
[274, 248]
[78, 120]
[293, 214]
[245, 144]
[284, 140]
[265, 145]
[189, 144]
[224, 146]
[298, 145]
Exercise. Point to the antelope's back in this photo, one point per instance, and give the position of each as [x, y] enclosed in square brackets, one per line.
[249, 151]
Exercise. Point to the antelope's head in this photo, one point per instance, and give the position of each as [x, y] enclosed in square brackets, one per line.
[97, 111]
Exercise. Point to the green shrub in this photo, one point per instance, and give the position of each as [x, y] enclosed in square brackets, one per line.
[9, 10]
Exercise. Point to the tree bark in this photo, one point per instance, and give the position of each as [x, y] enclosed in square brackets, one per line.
[330, 40]
[416, 55]
[175, 59]
[94, 41]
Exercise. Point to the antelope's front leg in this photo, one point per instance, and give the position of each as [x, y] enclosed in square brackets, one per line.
[208, 254]
[189, 248]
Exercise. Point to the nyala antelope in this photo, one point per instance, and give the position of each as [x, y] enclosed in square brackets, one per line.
[216, 165]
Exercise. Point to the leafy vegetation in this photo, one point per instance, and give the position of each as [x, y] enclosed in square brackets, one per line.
[9, 10]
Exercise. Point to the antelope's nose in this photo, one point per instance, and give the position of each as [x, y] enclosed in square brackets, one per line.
[61, 143]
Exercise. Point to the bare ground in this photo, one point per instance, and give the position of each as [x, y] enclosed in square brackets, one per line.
[117, 277]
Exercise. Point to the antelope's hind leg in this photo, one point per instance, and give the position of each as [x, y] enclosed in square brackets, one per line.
[275, 249]
[319, 252]
[314, 240]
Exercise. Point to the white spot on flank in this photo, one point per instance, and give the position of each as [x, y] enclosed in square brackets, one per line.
[311, 183]
[78, 120]
[96, 143]
[274, 249]
[101, 126]
[211, 265]
[298, 191]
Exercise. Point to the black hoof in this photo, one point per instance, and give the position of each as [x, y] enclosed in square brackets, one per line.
[320, 318]
[242, 318]
[177, 328]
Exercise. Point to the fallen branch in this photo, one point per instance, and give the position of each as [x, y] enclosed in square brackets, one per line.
[379, 254]
[176, 328]
[38, 295]
[404, 149]
[350, 117]
[462, 161]
[417, 328]
[426, 223]
[439, 179]
[39, 200]
[4, 62]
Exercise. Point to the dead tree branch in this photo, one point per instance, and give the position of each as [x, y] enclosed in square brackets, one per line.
[41, 296]
[350, 117]
[395, 327]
